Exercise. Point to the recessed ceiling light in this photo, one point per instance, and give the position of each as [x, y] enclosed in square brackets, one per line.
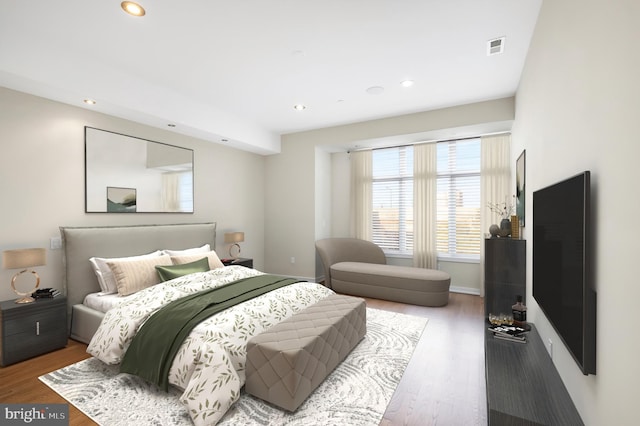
[132, 8]
[407, 83]
[375, 90]
[89, 102]
[299, 107]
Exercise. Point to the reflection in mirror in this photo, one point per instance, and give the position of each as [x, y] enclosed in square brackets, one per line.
[126, 174]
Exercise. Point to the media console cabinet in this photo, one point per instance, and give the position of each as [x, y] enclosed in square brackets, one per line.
[523, 386]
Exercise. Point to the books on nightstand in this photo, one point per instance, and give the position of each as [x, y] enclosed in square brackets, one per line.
[511, 333]
[46, 293]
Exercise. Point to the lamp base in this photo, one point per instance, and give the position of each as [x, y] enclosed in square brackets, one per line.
[236, 251]
[26, 297]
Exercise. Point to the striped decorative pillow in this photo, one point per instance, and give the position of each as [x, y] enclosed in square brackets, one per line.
[134, 275]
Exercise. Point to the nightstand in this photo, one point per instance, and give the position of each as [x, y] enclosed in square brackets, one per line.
[32, 329]
[242, 261]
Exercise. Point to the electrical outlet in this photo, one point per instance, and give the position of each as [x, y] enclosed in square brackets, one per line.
[56, 243]
[550, 347]
[292, 260]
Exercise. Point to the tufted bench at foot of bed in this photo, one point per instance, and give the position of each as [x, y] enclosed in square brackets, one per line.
[287, 362]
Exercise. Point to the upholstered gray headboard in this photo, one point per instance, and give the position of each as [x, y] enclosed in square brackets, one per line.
[82, 243]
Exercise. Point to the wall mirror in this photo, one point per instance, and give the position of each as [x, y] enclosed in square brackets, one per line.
[125, 174]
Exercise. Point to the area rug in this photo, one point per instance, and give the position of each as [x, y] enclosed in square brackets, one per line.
[356, 393]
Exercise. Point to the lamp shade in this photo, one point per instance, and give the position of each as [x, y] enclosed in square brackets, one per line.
[234, 237]
[24, 258]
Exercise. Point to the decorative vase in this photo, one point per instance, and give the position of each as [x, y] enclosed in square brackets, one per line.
[494, 230]
[505, 227]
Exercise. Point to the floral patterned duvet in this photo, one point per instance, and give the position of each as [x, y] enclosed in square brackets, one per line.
[210, 365]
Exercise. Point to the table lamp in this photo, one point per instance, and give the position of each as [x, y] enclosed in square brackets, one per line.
[234, 238]
[24, 259]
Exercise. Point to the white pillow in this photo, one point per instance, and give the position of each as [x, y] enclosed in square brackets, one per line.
[204, 249]
[212, 256]
[134, 275]
[104, 274]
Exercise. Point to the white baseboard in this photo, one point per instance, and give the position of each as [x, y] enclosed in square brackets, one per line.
[465, 290]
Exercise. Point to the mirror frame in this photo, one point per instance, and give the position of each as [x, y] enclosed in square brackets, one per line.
[106, 177]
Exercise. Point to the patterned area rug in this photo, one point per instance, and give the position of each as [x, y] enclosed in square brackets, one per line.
[356, 393]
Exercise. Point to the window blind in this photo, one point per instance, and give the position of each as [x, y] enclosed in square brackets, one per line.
[392, 198]
[458, 198]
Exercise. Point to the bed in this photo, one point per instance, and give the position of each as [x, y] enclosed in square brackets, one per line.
[82, 243]
[209, 365]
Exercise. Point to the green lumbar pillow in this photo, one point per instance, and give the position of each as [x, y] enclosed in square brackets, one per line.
[167, 273]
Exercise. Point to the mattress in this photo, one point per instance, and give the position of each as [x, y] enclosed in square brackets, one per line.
[103, 302]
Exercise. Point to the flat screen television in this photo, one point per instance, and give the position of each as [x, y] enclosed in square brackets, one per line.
[562, 275]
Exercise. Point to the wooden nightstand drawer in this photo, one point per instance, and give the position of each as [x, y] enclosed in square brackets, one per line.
[32, 329]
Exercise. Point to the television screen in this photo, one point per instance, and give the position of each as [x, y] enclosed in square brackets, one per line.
[561, 265]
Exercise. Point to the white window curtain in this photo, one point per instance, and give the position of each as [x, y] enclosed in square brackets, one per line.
[495, 184]
[170, 192]
[425, 254]
[361, 194]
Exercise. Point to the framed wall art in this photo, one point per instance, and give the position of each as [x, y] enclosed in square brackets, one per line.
[121, 200]
[520, 187]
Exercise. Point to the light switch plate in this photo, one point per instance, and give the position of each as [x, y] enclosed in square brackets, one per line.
[56, 243]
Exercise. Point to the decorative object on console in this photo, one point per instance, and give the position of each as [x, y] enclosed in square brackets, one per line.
[23, 259]
[504, 210]
[505, 228]
[46, 293]
[519, 311]
[511, 333]
[234, 238]
[515, 227]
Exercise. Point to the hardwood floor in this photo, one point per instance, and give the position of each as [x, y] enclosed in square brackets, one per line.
[19, 382]
[443, 384]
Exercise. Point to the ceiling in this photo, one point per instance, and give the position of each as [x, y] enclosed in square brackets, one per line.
[231, 72]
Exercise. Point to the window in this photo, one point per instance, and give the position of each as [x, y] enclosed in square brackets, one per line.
[393, 199]
[458, 220]
[185, 191]
[458, 199]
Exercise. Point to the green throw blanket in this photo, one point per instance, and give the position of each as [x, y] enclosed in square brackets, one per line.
[156, 344]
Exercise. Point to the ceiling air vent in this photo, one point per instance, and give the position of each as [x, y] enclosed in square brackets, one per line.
[495, 46]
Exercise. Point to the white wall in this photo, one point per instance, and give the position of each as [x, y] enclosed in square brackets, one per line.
[577, 109]
[42, 182]
[323, 204]
[290, 222]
